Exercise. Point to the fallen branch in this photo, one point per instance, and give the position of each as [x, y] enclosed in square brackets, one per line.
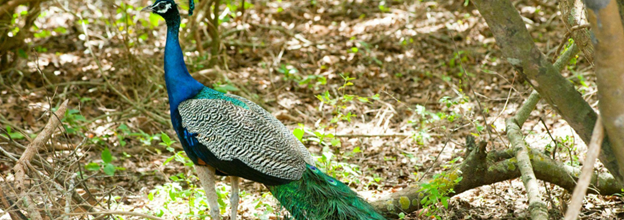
[481, 168]
[537, 207]
[22, 165]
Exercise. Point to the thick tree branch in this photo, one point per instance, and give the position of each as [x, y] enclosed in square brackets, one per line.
[609, 44]
[520, 50]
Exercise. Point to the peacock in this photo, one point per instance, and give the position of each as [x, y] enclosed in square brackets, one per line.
[225, 134]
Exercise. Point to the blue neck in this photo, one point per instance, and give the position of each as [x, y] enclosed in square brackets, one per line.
[180, 84]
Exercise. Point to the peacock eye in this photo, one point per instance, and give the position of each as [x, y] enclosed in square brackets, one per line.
[331, 181]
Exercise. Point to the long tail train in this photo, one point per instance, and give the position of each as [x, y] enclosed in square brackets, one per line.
[319, 196]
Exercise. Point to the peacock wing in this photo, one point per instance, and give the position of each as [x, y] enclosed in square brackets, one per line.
[269, 117]
[233, 133]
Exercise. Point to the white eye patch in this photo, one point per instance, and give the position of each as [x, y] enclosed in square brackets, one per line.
[162, 7]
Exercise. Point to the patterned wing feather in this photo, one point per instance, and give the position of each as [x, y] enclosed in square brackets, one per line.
[231, 132]
[269, 117]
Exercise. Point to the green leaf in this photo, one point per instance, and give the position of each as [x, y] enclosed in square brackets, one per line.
[168, 160]
[154, 19]
[143, 37]
[166, 139]
[61, 30]
[225, 88]
[109, 169]
[13, 135]
[298, 132]
[107, 157]
[22, 54]
[444, 201]
[92, 166]
[375, 97]
[174, 178]
[401, 215]
[16, 135]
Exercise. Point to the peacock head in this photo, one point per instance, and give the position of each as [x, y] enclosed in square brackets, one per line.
[168, 9]
[165, 8]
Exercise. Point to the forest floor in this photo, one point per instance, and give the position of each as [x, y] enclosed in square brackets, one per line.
[386, 92]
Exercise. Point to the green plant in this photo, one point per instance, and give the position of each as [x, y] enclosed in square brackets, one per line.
[72, 121]
[182, 190]
[339, 103]
[437, 190]
[11, 134]
[106, 165]
[225, 87]
[421, 136]
[328, 161]
[367, 52]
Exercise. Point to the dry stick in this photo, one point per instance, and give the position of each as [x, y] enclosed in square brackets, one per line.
[10, 208]
[119, 213]
[586, 173]
[567, 36]
[22, 164]
[57, 178]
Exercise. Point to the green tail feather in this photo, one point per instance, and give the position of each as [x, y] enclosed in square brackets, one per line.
[319, 196]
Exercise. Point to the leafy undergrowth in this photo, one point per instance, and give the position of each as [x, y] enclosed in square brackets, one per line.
[382, 92]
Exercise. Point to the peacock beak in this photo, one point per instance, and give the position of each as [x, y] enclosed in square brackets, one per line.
[147, 9]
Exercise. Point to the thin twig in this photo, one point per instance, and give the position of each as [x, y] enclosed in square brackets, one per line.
[567, 36]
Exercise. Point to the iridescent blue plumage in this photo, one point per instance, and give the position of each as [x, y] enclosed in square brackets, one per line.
[208, 93]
